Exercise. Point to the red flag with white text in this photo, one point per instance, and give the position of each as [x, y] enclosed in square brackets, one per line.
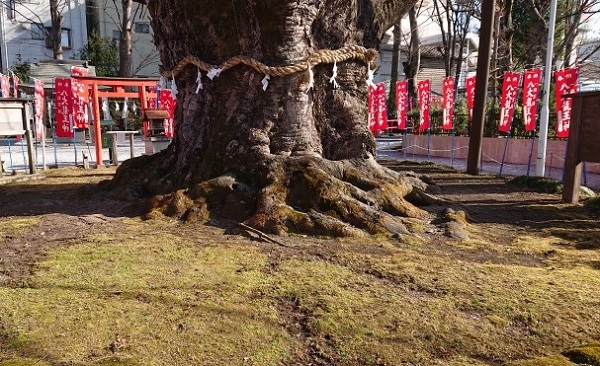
[510, 88]
[424, 91]
[401, 103]
[16, 80]
[381, 108]
[532, 79]
[566, 83]
[373, 115]
[63, 100]
[38, 90]
[448, 103]
[80, 98]
[5, 86]
[168, 102]
[470, 83]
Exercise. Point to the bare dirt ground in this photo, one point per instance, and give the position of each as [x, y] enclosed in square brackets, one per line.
[66, 207]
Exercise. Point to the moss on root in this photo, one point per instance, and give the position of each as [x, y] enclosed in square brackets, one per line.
[544, 361]
[304, 194]
[588, 354]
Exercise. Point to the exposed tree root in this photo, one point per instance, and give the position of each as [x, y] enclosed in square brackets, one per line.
[305, 194]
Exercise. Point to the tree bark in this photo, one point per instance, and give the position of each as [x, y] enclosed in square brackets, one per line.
[288, 158]
[411, 68]
[56, 19]
[125, 41]
[397, 34]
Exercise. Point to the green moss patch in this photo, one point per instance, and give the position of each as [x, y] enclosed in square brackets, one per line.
[585, 355]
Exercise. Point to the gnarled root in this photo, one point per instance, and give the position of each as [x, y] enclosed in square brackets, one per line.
[308, 195]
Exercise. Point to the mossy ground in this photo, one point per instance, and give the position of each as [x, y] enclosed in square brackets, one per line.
[128, 291]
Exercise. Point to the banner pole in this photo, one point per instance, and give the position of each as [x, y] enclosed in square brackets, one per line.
[452, 150]
[55, 148]
[23, 152]
[12, 167]
[504, 154]
[74, 140]
[530, 152]
[404, 142]
[44, 165]
[429, 144]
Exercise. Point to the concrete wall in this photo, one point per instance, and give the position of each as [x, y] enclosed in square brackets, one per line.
[517, 152]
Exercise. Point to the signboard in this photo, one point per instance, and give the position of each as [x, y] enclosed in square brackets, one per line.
[11, 118]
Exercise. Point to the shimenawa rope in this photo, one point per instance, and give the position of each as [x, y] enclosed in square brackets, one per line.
[353, 52]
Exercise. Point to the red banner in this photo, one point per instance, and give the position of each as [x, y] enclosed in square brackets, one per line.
[5, 86]
[167, 101]
[448, 103]
[381, 107]
[531, 89]
[63, 106]
[373, 122]
[80, 99]
[401, 103]
[566, 83]
[510, 88]
[471, 94]
[424, 90]
[15, 85]
[38, 90]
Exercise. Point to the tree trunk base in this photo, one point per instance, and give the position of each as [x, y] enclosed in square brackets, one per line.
[301, 194]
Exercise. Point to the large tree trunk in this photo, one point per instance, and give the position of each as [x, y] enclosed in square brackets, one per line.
[288, 158]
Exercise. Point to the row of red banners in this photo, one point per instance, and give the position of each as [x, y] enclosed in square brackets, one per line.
[71, 100]
[566, 83]
[5, 86]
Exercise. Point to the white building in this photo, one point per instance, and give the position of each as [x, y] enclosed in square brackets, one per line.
[106, 17]
[432, 64]
[22, 30]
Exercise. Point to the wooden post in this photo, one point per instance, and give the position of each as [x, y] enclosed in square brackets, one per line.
[29, 137]
[584, 139]
[97, 127]
[131, 149]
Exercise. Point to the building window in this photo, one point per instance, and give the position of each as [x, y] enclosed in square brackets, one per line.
[142, 27]
[116, 36]
[65, 38]
[37, 31]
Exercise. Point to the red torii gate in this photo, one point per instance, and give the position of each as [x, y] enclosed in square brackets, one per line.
[116, 89]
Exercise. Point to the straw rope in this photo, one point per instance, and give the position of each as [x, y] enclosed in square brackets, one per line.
[359, 53]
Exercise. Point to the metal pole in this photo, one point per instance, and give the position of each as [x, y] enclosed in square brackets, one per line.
[483, 70]
[540, 164]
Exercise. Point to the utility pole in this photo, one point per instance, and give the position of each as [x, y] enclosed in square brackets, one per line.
[540, 165]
